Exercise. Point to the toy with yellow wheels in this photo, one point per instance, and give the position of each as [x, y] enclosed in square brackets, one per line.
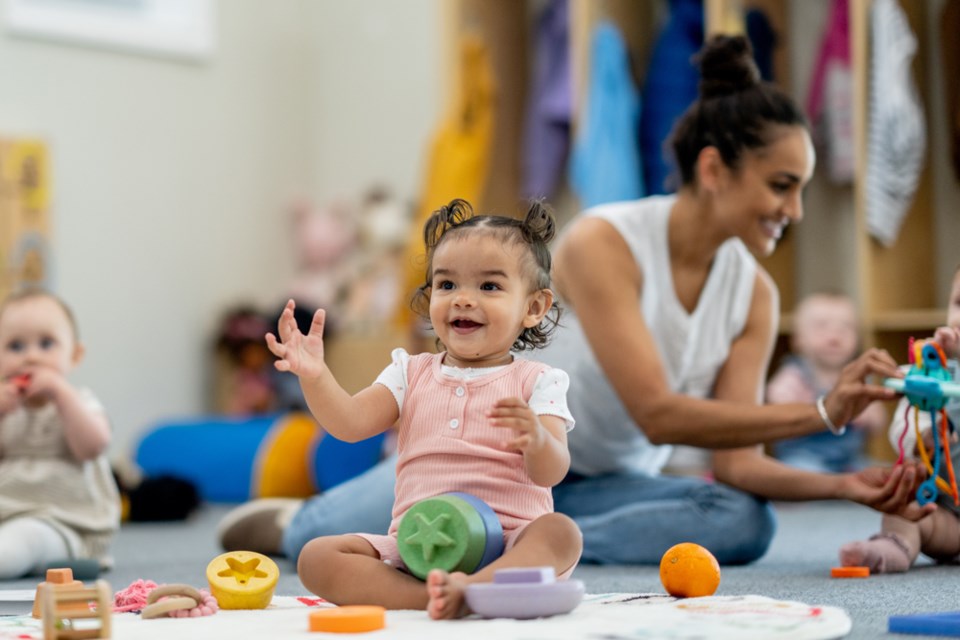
[242, 580]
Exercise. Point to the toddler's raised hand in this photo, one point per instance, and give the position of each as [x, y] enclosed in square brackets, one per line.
[299, 354]
[514, 413]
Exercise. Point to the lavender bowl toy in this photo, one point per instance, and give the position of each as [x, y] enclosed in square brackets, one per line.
[524, 593]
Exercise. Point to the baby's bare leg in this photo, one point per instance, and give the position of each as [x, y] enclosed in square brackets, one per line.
[348, 570]
[552, 540]
[940, 535]
[893, 550]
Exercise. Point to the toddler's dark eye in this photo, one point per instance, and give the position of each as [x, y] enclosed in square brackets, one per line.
[489, 286]
[47, 343]
[445, 284]
[15, 345]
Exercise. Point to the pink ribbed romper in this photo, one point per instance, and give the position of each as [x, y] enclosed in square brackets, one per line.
[446, 444]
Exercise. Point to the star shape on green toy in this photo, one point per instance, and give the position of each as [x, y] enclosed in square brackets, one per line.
[429, 534]
[242, 572]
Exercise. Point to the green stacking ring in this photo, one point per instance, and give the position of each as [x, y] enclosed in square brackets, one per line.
[444, 532]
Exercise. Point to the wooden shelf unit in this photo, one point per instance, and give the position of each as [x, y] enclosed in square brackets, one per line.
[900, 290]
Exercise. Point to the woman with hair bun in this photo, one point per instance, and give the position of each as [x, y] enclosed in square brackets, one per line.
[668, 330]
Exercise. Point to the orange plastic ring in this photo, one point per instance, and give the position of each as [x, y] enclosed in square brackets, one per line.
[350, 619]
[850, 572]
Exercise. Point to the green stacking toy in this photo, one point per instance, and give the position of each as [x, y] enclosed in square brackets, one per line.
[445, 532]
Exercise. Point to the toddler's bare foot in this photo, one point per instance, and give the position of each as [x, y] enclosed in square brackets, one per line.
[882, 553]
[447, 595]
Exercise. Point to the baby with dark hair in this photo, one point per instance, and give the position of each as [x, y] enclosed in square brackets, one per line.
[472, 418]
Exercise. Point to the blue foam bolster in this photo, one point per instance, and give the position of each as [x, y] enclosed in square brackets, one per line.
[216, 454]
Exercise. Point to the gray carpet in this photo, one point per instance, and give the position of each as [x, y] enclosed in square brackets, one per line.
[797, 567]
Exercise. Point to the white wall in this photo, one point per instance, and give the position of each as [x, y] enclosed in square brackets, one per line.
[375, 93]
[171, 179]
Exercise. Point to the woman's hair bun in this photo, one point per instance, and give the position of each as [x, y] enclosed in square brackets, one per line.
[726, 66]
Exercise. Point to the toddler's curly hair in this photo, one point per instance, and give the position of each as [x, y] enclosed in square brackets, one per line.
[534, 231]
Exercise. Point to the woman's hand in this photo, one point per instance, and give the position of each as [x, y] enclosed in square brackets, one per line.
[889, 490]
[851, 395]
[299, 354]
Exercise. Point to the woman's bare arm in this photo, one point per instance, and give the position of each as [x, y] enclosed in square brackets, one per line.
[597, 276]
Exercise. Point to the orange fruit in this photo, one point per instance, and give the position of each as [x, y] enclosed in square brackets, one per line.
[688, 570]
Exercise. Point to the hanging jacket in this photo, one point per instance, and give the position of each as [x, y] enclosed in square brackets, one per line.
[830, 101]
[550, 104]
[896, 136]
[670, 87]
[605, 164]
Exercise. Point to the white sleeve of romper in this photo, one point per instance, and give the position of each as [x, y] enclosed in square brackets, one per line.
[394, 377]
[549, 395]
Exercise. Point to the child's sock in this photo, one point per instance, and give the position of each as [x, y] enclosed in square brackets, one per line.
[882, 553]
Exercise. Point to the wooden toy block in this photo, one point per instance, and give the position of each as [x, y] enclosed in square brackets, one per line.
[61, 609]
[60, 578]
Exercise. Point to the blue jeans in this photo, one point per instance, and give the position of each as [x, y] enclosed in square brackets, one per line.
[363, 504]
[824, 452]
[625, 519]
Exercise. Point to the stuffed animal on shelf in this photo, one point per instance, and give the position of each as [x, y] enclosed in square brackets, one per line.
[376, 293]
[244, 372]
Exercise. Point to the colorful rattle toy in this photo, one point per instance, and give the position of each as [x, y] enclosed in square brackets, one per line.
[524, 593]
[453, 532]
[927, 386]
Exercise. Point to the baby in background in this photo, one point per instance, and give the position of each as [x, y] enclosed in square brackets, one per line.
[472, 418]
[824, 339]
[58, 499]
[898, 544]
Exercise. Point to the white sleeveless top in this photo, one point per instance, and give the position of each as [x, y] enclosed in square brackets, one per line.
[693, 347]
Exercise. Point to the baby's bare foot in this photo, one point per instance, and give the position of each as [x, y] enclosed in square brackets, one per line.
[447, 595]
[882, 554]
